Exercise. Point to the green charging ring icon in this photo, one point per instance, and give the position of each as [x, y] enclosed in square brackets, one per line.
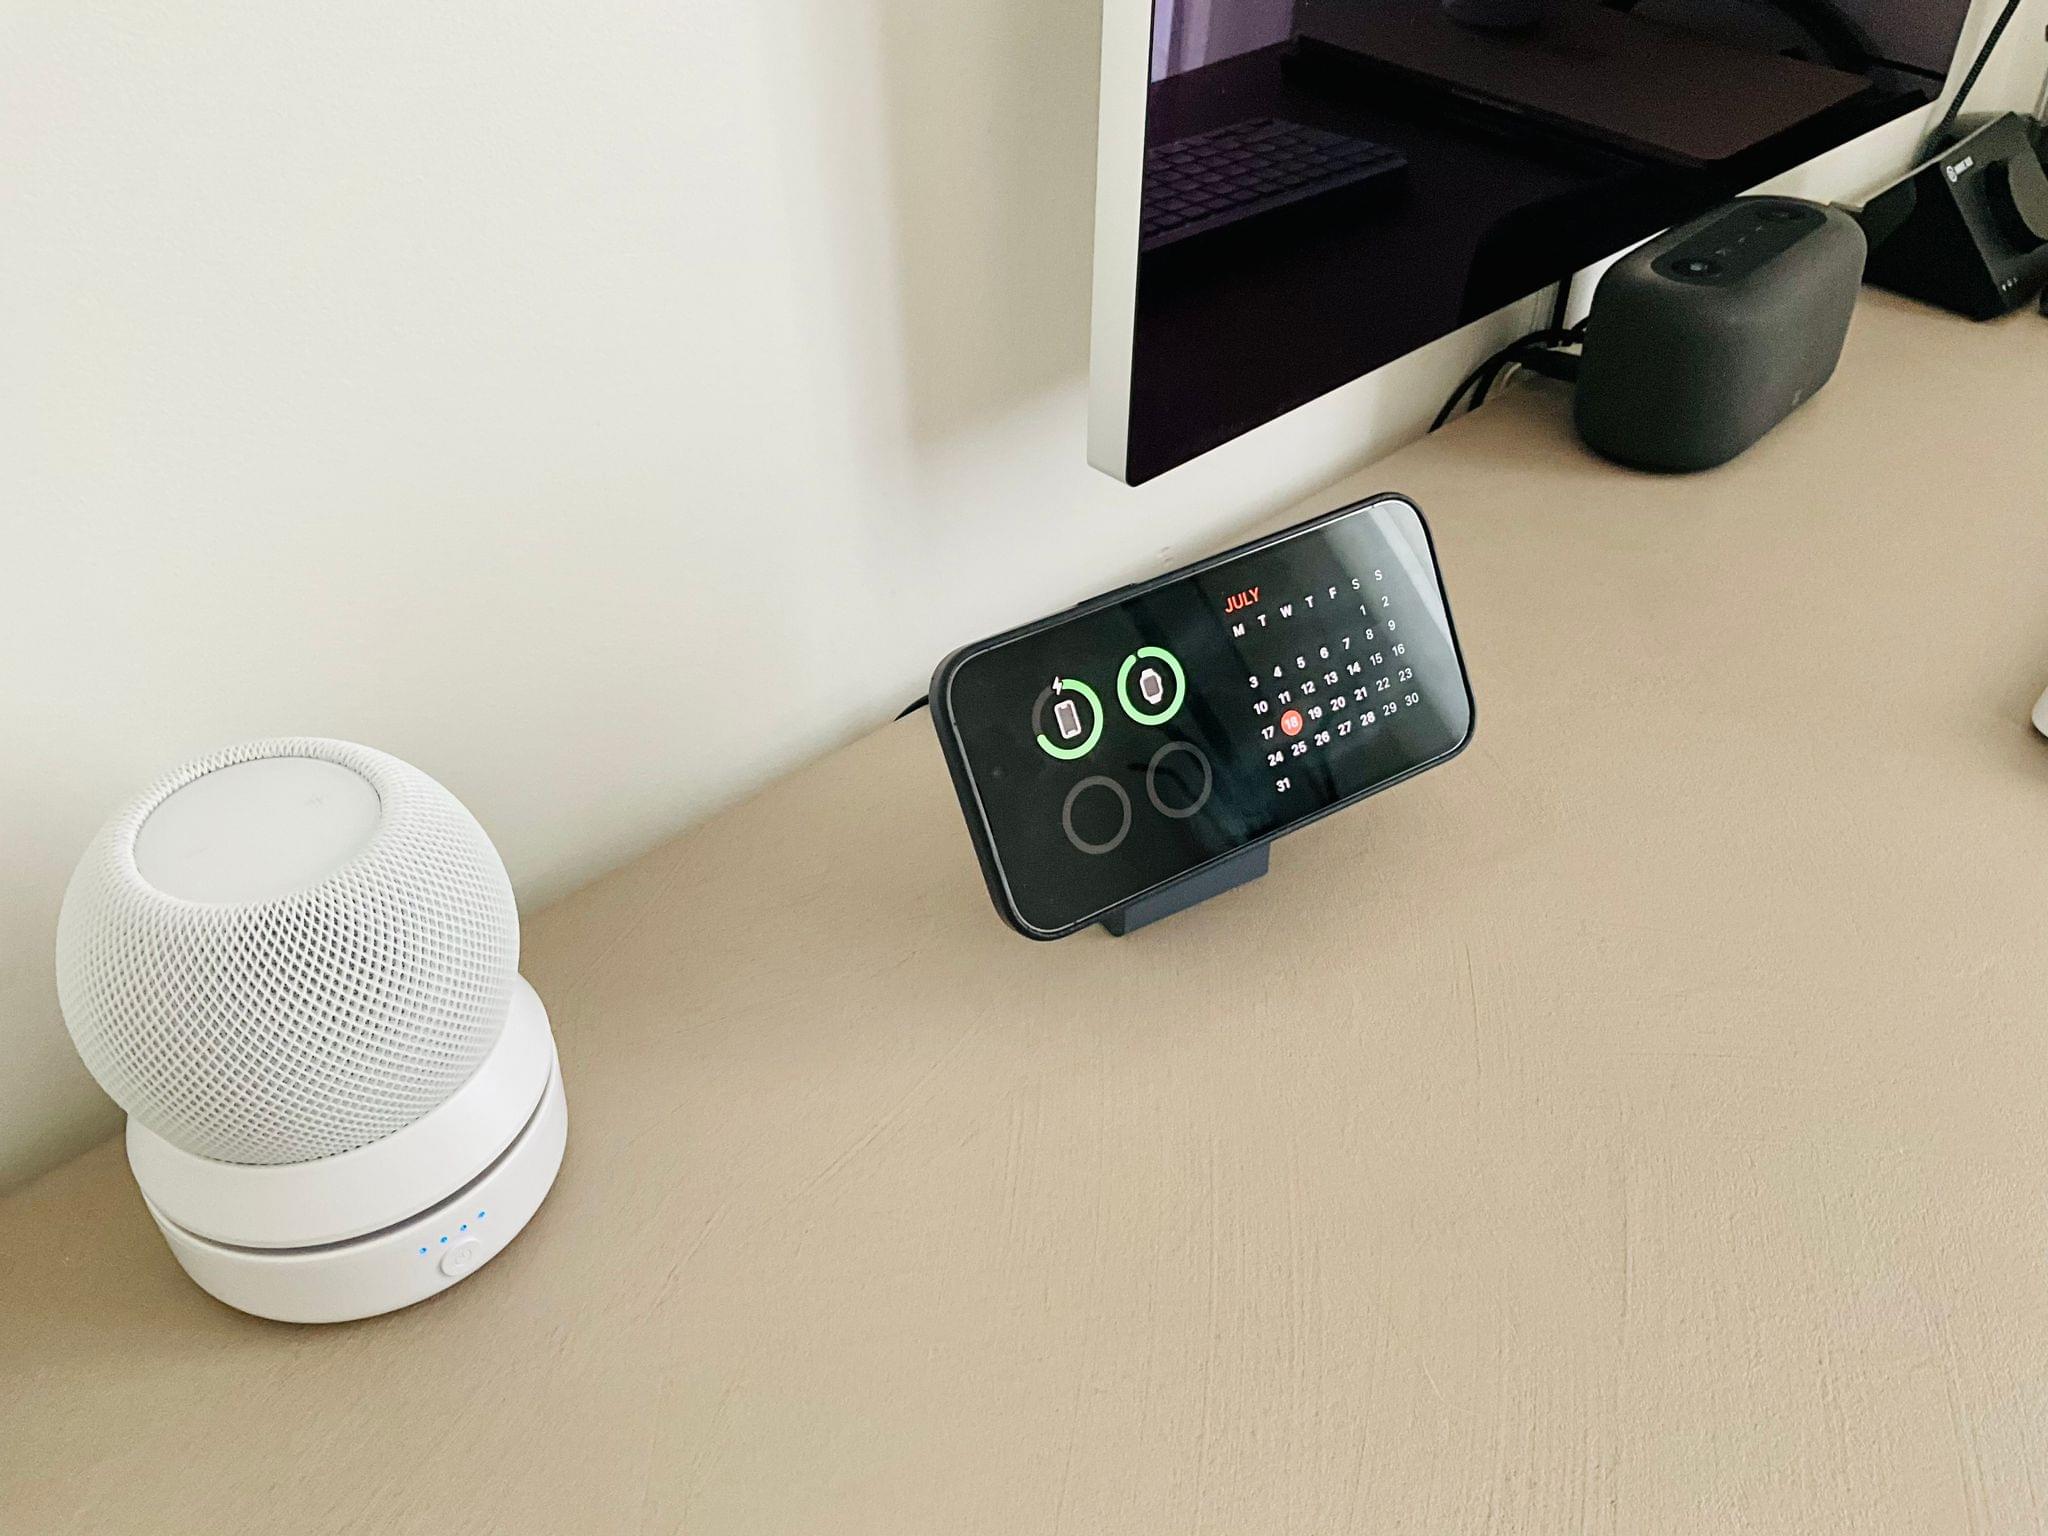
[1069, 754]
[1180, 685]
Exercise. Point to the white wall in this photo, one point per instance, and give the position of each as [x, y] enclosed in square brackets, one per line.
[604, 406]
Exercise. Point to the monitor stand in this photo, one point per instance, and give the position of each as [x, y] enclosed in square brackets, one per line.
[1238, 869]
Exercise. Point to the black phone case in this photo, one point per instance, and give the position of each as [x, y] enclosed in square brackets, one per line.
[963, 783]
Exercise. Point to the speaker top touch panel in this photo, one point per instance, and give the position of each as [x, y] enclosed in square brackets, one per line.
[255, 830]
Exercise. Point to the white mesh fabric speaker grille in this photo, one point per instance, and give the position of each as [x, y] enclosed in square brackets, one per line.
[288, 1029]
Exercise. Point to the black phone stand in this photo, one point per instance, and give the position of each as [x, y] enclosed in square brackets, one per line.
[1238, 869]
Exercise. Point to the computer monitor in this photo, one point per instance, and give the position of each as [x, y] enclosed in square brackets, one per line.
[1293, 193]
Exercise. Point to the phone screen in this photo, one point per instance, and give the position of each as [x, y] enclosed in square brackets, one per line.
[1114, 751]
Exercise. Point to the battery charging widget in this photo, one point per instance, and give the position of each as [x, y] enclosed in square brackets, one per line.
[1151, 685]
[1067, 719]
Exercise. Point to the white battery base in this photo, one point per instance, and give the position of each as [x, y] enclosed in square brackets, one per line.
[396, 1265]
[295, 963]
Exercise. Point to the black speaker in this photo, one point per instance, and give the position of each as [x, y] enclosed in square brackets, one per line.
[1967, 231]
[1706, 338]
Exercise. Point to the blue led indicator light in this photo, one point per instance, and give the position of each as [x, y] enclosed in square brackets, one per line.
[423, 1250]
[481, 1214]
[444, 1239]
[464, 1227]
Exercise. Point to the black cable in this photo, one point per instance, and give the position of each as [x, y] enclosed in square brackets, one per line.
[1527, 354]
[1561, 303]
[1443, 417]
[1483, 374]
[1563, 366]
[1500, 370]
[1955, 106]
[1495, 372]
[1488, 373]
[1534, 338]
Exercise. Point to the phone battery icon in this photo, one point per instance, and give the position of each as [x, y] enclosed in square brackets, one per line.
[1068, 715]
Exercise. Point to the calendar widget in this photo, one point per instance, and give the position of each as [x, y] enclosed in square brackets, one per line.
[1178, 723]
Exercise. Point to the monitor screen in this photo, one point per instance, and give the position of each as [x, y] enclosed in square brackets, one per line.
[1328, 185]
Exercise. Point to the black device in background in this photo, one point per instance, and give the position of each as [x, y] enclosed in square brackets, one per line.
[1209, 182]
[1702, 341]
[1968, 230]
[1130, 756]
[1539, 138]
[1965, 229]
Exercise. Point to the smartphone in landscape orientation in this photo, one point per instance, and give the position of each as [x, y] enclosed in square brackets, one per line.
[1107, 752]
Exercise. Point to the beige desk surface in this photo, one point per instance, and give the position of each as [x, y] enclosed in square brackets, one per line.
[1639, 1126]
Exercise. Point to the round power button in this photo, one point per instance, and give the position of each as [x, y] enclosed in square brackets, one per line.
[461, 1259]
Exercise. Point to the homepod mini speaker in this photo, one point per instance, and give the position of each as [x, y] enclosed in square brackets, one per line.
[295, 964]
[1702, 341]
